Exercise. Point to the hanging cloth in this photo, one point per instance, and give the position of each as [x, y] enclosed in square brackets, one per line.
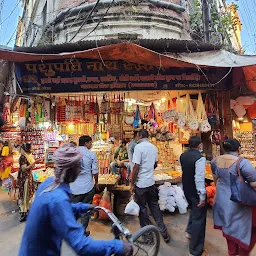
[190, 114]
[204, 125]
[137, 119]
[157, 118]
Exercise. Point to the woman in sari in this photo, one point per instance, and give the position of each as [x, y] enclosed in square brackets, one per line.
[25, 180]
[237, 221]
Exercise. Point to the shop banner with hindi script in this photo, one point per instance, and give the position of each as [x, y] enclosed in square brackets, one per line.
[83, 75]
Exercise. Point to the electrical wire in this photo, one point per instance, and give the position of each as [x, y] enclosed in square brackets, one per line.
[61, 9]
[98, 22]
[78, 15]
[249, 15]
[208, 78]
[86, 19]
[1, 9]
[247, 28]
[18, 1]
[250, 24]
[13, 34]
[28, 30]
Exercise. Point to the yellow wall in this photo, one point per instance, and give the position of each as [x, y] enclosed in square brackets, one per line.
[245, 127]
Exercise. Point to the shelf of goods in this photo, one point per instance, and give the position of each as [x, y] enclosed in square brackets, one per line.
[128, 131]
[80, 128]
[166, 155]
[36, 138]
[103, 152]
[246, 140]
[115, 129]
[11, 136]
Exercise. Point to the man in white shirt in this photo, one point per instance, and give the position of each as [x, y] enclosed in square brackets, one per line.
[145, 160]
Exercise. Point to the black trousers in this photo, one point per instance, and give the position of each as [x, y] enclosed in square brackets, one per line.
[149, 196]
[87, 199]
[196, 227]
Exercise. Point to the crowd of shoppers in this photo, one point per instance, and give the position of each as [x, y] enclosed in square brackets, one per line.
[53, 217]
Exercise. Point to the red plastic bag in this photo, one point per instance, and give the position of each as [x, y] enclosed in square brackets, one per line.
[96, 201]
[210, 201]
[210, 191]
[106, 203]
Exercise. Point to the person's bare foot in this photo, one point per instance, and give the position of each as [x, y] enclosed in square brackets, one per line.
[205, 253]
[188, 236]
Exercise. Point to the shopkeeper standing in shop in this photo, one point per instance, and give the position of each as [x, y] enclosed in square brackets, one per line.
[83, 189]
[121, 158]
[145, 160]
[193, 179]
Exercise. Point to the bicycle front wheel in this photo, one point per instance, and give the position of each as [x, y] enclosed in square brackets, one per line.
[146, 241]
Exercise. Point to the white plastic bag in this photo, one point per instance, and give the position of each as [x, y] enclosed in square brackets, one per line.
[182, 210]
[171, 201]
[170, 208]
[181, 201]
[162, 207]
[132, 208]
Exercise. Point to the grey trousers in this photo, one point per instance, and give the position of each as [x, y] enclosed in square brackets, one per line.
[87, 199]
[196, 227]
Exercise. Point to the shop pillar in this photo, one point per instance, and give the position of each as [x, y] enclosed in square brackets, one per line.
[227, 129]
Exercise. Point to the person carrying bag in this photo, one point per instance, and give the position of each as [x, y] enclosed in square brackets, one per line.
[232, 210]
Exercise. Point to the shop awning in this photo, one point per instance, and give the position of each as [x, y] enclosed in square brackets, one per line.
[131, 52]
[244, 66]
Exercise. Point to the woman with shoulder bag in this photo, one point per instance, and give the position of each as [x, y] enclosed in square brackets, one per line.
[236, 220]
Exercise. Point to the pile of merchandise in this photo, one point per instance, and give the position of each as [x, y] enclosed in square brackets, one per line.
[110, 179]
[162, 176]
[172, 197]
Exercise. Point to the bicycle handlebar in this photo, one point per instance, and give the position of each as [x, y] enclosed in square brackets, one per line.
[116, 222]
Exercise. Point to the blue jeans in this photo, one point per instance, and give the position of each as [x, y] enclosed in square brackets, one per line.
[114, 167]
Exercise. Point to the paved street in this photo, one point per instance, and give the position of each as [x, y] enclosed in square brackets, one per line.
[11, 232]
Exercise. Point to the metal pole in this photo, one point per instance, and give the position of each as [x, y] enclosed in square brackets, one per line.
[206, 20]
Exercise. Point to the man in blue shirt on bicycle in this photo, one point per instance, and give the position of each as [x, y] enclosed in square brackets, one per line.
[52, 217]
